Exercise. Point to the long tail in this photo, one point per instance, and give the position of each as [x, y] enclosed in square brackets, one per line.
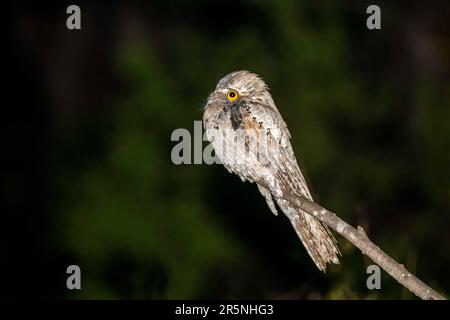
[316, 237]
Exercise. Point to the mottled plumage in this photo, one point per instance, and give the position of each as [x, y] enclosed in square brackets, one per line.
[252, 141]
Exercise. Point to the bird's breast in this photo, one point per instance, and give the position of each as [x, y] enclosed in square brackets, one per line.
[235, 117]
[239, 117]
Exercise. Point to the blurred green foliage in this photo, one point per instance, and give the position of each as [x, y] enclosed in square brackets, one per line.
[372, 138]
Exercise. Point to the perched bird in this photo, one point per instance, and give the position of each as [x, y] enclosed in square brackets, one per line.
[251, 139]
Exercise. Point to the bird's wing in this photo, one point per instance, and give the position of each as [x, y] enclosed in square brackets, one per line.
[287, 177]
[280, 155]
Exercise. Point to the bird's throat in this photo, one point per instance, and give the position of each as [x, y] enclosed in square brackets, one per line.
[235, 116]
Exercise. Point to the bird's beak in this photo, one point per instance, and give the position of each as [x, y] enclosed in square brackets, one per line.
[215, 98]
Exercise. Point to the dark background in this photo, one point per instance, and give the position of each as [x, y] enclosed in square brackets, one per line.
[88, 177]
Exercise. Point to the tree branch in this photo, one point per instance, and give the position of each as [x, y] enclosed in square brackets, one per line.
[359, 238]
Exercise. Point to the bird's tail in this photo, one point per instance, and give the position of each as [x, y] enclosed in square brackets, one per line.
[316, 237]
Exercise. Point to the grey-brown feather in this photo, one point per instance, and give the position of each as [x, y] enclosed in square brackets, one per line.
[259, 149]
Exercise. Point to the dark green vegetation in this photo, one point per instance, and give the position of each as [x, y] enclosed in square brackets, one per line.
[90, 181]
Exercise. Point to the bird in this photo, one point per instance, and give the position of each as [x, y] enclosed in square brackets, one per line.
[252, 141]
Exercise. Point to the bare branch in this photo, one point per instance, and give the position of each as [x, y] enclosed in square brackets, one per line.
[359, 238]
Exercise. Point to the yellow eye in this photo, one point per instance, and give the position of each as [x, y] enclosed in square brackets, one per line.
[232, 95]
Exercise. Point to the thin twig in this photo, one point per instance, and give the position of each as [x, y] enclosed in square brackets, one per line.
[359, 238]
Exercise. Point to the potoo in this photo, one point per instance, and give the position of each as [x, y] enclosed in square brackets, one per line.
[252, 140]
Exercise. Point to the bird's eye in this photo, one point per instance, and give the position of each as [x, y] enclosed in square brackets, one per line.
[232, 95]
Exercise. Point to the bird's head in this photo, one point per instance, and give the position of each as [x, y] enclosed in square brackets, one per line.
[240, 88]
